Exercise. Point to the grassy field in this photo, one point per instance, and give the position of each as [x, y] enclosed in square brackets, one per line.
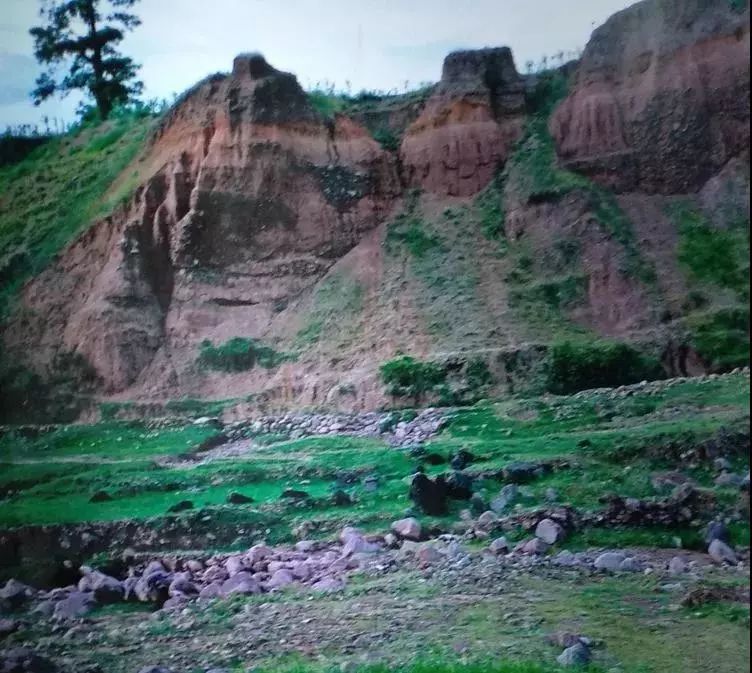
[50, 479]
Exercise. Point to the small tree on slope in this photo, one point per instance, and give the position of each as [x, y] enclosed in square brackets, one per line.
[81, 36]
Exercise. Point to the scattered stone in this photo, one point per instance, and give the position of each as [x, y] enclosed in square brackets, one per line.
[565, 558]
[459, 486]
[677, 566]
[534, 546]
[722, 465]
[478, 504]
[236, 498]
[429, 496]
[242, 583]
[181, 506]
[610, 561]
[487, 520]
[574, 656]
[499, 546]
[24, 660]
[461, 459]
[521, 472]
[14, 594]
[720, 552]
[371, 483]
[716, 530]
[408, 528]
[329, 584]
[428, 555]
[341, 498]
[101, 496]
[630, 565]
[729, 479]
[549, 531]
[8, 626]
[281, 578]
[294, 494]
[155, 669]
[78, 604]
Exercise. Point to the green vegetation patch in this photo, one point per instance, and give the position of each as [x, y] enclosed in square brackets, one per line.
[240, 354]
[575, 366]
[721, 337]
[710, 254]
[50, 196]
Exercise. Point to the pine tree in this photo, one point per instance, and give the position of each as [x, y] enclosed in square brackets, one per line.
[81, 36]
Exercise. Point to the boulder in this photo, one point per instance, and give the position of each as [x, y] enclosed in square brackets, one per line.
[77, 605]
[610, 561]
[720, 552]
[499, 546]
[487, 520]
[24, 660]
[14, 594]
[549, 531]
[534, 546]
[101, 496]
[716, 530]
[461, 459]
[430, 496]
[241, 583]
[329, 584]
[677, 566]
[281, 578]
[408, 528]
[459, 486]
[521, 472]
[236, 498]
[578, 655]
[182, 506]
[8, 626]
[106, 589]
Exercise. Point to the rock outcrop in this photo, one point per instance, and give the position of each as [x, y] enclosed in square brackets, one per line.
[249, 197]
[468, 125]
[661, 97]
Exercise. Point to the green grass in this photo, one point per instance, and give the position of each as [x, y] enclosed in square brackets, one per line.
[120, 458]
[721, 337]
[336, 304]
[49, 197]
[712, 255]
[240, 354]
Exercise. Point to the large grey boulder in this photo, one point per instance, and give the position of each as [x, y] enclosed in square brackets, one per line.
[720, 552]
[77, 605]
[24, 660]
[610, 560]
[549, 531]
[578, 655]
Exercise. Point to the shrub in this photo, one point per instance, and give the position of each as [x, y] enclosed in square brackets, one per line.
[477, 374]
[574, 366]
[239, 354]
[387, 139]
[722, 338]
[407, 377]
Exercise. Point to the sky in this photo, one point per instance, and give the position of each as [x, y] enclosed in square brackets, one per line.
[372, 44]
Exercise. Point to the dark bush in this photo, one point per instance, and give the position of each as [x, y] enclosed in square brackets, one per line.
[574, 366]
[407, 377]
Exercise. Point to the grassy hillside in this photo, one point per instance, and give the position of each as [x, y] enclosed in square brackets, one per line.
[56, 191]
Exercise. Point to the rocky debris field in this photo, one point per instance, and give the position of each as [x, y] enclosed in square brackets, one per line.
[179, 591]
[551, 530]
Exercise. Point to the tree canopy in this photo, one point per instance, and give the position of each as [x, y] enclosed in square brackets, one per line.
[79, 38]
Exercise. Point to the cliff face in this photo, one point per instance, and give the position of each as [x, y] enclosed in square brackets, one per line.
[256, 217]
[468, 125]
[660, 101]
[250, 197]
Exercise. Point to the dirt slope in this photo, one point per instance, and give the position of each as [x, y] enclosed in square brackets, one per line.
[493, 227]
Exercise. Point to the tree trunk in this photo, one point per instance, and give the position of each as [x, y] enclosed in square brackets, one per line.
[104, 105]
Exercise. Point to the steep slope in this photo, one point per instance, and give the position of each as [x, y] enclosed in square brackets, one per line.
[276, 258]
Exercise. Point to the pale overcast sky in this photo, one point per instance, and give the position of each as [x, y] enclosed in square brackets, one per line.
[375, 44]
